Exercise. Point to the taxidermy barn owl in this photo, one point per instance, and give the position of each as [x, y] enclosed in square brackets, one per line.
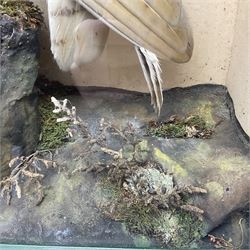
[79, 31]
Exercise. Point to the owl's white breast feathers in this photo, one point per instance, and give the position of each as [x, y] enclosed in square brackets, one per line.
[76, 37]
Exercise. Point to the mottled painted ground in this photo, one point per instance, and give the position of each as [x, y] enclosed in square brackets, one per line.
[68, 215]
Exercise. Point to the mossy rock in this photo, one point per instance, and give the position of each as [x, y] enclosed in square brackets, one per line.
[53, 134]
[26, 13]
[76, 211]
[193, 126]
[174, 228]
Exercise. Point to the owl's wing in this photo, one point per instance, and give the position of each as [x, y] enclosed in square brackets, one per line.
[152, 24]
[76, 36]
[154, 27]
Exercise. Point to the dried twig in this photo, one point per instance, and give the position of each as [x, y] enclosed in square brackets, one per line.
[24, 167]
[61, 106]
[191, 208]
[115, 154]
[220, 242]
[242, 234]
[69, 114]
[193, 190]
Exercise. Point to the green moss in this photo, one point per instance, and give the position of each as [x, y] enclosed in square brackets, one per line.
[190, 229]
[136, 216]
[168, 130]
[196, 121]
[177, 228]
[140, 218]
[24, 12]
[178, 128]
[52, 132]
[107, 192]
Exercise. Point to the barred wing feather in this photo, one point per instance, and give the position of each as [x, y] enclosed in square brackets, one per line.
[140, 22]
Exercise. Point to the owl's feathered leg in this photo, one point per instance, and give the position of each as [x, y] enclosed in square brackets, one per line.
[64, 17]
[152, 73]
[76, 36]
[90, 39]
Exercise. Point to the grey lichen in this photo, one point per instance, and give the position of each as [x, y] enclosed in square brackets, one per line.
[173, 228]
[143, 196]
[149, 181]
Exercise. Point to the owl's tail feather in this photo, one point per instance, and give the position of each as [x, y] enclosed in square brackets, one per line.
[152, 73]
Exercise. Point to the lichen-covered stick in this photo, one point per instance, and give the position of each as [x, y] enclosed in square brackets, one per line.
[79, 30]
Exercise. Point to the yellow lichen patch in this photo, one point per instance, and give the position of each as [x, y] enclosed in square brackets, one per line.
[61, 185]
[215, 189]
[225, 166]
[143, 145]
[233, 164]
[64, 186]
[64, 198]
[205, 111]
[141, 151]
[199, 156]
[204, 149]
[171, 164]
